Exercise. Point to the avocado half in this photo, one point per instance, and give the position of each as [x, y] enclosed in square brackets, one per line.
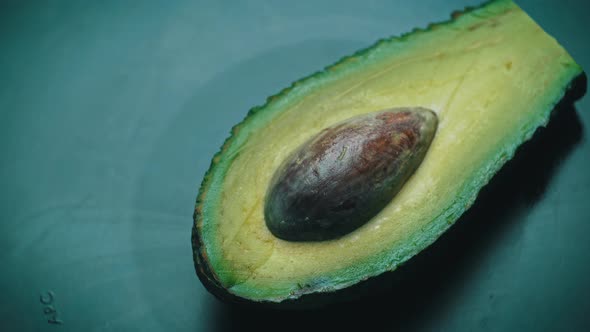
[491, 75]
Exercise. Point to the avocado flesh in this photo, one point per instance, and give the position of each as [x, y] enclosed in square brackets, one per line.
[492, 76]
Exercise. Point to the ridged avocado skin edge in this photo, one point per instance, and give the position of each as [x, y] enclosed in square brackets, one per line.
[573, 91]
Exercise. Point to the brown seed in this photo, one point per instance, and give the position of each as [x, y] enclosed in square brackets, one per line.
[342, 177]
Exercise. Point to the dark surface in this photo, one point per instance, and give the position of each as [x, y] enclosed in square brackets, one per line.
[111, 112]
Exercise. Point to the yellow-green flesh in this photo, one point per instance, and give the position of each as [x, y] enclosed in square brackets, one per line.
[492, 76]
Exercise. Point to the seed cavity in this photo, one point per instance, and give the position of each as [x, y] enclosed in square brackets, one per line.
[346, 174]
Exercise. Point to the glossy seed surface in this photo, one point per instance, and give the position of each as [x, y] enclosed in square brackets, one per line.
[342, 177]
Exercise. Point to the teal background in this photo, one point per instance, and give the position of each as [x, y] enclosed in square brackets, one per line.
[112, 110]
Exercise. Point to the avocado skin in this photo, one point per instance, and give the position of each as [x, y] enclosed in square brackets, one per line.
[575, 90]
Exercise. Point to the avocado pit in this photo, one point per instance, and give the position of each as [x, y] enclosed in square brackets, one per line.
[343, 176]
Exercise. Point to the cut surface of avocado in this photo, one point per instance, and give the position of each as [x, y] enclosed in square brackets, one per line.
[491, 75]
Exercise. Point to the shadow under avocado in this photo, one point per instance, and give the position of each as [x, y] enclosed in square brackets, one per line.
[420, 289]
